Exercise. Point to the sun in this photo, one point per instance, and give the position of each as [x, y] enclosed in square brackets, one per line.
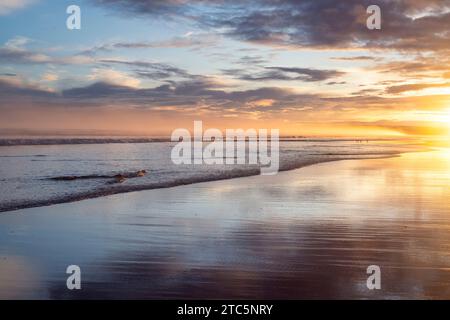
[442, 120]
[446, 119]
[442, 116]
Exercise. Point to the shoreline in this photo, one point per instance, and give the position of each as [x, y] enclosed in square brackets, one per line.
[184, 182]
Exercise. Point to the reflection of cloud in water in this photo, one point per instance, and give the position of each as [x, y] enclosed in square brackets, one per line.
[309, 233]
[256, 261]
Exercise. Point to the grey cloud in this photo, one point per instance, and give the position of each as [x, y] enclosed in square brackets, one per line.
[328, 24]
[311, 23]
[356, 58]
[418, 67]
[331, 83]
[11, 93]
[188, 97]
[285, 74]
[252, 60]
[196, 41]
[24, 56]
[190, 93]
[192, 90]
[15, 55]
[308, 74]
[153, 7]
[151, 70]
[415, 87]
[366, 92]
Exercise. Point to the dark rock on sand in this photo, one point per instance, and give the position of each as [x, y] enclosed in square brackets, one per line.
[118, 178]
[141, 173]
[69, 178]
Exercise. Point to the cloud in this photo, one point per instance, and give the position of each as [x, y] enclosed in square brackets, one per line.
[22, 56]
[12, 90]
[416, 29]
[406, 24]
[8, 6]
[50, 77]
[206, 92]
[308, 74]
[331, 83]
[418, 66]
[356, 58]
[412, 127]
[150, 70]
[211, 94]
[252, 60]
[190, 40]
[364, 92]
[285, 74]
[17, 42]
[14, 51]
[415, 87]
[152, 7]
[323, 24]
[113, 77]
[207, 97]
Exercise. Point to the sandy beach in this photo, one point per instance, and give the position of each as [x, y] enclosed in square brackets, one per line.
[305, 233]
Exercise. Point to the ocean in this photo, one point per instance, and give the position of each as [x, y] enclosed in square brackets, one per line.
[46, 171]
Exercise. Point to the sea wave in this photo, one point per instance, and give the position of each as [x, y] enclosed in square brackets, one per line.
[110, 189]
[69, 141]
[45, 175]
[62, 141]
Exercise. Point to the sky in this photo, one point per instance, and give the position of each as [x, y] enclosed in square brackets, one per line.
[147, 67]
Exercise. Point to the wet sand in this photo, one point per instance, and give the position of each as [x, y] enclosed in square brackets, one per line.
[306, 233]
